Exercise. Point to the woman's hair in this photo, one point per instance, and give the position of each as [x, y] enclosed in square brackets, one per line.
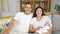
[34, 14]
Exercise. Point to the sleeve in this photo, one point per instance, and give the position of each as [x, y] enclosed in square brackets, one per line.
[32, 21]
[49, 21]
[16, 16]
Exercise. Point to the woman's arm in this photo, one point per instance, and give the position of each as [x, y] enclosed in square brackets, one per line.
[49, 30]
[31, 29]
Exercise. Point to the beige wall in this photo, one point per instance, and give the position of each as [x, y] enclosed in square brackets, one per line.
[56, 18]
[53, 2]
[0, 8]
[10, 7]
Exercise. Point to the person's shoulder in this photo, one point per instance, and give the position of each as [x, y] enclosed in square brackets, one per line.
[33, 18]
[45, 16]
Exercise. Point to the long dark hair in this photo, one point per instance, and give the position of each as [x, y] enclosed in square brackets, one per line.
[34, 14]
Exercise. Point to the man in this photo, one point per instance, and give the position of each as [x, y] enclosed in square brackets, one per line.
[20, 22]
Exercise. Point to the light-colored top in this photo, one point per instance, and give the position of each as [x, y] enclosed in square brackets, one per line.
[23, 21]
[41, 23]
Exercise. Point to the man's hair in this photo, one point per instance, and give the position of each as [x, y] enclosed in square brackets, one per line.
[27, 3]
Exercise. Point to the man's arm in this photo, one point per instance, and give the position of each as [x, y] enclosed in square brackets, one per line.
[10, 27]
[54, 12]
[49, 30]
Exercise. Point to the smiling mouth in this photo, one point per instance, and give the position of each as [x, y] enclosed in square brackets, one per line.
[28, 10]
[38, 13]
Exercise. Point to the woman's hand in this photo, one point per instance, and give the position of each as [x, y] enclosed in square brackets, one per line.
[38, 28]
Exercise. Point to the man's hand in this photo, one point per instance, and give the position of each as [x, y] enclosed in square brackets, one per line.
[5, 32]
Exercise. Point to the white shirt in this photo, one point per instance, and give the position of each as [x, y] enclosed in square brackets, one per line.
[41, 23]
[23, 22]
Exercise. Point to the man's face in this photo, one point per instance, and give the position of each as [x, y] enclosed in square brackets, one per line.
[28, 8]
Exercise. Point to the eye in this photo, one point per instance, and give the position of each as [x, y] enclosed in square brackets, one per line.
[26, 7]
[40, 11]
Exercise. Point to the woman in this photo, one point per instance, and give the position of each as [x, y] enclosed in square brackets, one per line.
[40, 23]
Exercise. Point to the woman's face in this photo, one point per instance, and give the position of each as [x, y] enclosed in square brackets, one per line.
[39, 12]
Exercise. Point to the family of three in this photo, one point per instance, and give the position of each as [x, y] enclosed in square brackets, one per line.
[24, 22]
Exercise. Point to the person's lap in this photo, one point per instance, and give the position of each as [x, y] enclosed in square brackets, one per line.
[17, 32]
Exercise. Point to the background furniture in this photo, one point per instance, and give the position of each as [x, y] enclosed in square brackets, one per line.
[43, 3]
